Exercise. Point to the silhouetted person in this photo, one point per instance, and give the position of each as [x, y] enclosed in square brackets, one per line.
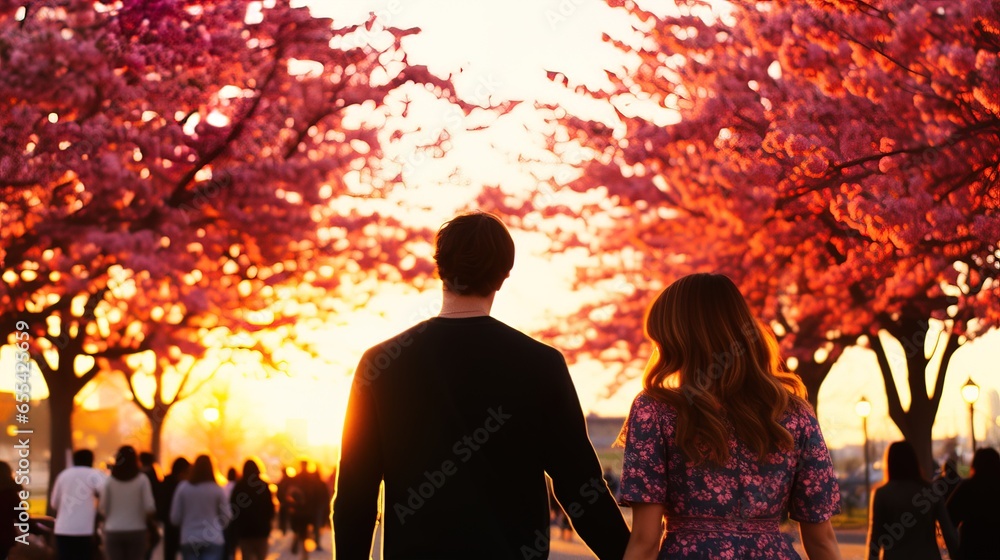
[230, 546]
[147, 464]
[904, 509]
[948, 475]
[74, 500]
[975, 508]
[300, 514]
[201, 510]
[318, 499]
[252, 500]
[126, 502]
[282, 495]
[721, 441]
[462, 416]
[171, 533]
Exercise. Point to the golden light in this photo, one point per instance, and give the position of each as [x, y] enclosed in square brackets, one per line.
[970, 391]
[211, 415]
[863, 408]
[11, 430]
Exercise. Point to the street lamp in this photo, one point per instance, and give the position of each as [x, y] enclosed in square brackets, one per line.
[970, 394]
[864, 409]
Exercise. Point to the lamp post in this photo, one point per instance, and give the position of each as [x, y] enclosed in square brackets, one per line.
[970, 394]
[864, 408]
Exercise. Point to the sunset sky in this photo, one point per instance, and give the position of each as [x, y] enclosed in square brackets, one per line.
[510, 50]
[497, 52]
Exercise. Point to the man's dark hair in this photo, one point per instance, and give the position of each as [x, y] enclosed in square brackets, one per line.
[474, 254]
[146, 459]
[83, 458]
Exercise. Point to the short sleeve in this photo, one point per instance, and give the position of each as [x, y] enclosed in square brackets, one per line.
[815, 495]
[644, 470]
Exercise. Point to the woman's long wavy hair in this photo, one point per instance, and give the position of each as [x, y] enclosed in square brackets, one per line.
[720, 368]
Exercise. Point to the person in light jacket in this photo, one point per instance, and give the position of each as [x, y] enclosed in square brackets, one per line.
[201, 511]
[127, 504]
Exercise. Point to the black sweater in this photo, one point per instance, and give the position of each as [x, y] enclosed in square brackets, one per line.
[462, 418]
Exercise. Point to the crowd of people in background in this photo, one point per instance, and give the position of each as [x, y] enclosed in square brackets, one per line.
[126, 512]
[910, 515]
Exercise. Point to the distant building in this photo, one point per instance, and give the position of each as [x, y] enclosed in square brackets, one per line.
[603, 432]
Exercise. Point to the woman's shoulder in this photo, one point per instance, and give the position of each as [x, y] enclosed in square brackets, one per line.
[799, 416]
[647, 405]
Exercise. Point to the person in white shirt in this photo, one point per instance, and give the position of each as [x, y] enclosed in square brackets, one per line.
[74, 500]
[126, 502]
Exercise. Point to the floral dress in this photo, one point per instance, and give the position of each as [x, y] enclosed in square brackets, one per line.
[733, 511]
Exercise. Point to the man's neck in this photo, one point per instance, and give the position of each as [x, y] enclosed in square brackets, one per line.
[457, 306]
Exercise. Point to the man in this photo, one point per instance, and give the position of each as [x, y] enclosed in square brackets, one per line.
[462, 417]
[74, 500]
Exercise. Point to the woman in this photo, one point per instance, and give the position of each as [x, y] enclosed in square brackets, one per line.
[721, 441]
[903, 512]
[253, 506]
[126, 502]
[201, 511]
[973, 507]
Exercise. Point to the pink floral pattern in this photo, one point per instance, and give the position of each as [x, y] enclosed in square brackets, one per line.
[711, 505]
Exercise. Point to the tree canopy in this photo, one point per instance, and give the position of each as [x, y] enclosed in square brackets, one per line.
[839, 160]
[164, 166]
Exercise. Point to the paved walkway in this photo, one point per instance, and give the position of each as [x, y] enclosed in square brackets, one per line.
[281, 549]
[852, 547]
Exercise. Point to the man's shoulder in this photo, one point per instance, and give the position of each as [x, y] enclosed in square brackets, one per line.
[401, 339]
[524, 344]
[500, 332]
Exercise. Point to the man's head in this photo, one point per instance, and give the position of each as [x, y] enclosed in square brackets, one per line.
[474, 254]
[146, 459]
[83, 458]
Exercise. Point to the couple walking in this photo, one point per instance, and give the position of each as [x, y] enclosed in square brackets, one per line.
[462, 416]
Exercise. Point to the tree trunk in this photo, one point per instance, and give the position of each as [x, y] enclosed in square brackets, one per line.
[61, 435]
[917, 422]
[157, 416]
[812, 375]
[156, 435]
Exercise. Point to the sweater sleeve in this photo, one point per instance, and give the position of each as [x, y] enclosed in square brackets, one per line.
[577, 476]
[355, 502]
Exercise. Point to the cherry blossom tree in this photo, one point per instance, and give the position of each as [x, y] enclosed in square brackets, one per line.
[838, 159]
[165, 165]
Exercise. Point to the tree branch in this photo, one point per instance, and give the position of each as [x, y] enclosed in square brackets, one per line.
[896, 411]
